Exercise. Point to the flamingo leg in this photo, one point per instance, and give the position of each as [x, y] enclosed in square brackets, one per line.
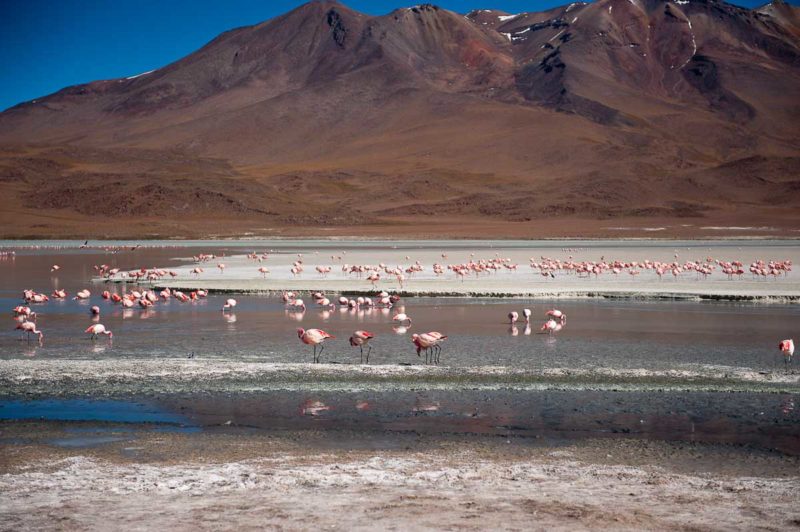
[315, 354]
[362, 353]
[369, 350]
[321, 349]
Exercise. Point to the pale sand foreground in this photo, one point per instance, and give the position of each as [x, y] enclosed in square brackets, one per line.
[234, 483]
[241, 274]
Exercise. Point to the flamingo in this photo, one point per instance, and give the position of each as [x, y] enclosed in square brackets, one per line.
[557, 314]
[551, 326]
[24, 312]
[513, 317]
[29, 327]
[95, 310]
[787, 348]
[429, 341]
[324, 302]
[83, 294]
[263, 271]
[98, 329]
[55, 268]
[401, 317]
[360, 339]
[314, 337]
[526, 313]
[297, 304]
[229, 304]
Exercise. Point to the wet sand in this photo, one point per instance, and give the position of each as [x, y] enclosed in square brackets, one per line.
[312, 480]
[34, 378]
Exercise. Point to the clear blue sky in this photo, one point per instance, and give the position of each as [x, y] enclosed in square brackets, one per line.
[46, 45]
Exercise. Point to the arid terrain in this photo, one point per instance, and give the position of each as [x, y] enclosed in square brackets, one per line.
[111, 476]
[610, 119]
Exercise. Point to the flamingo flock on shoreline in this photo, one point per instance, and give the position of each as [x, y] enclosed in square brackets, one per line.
[430, 342]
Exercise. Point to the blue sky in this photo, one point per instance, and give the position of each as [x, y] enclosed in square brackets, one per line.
[46, 45]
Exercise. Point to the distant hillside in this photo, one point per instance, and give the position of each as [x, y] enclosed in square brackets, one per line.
[598, 119]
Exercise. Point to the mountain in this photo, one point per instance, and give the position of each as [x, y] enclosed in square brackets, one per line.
[609, 118]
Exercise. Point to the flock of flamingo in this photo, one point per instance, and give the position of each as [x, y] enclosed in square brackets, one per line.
[546, 267]
[431, 342]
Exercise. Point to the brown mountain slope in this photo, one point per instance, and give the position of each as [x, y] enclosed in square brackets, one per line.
[569, 122]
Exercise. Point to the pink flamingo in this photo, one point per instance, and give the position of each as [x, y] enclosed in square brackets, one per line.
[29, 327]
[314, 337]
[98, 329]
[513, 317]
[95, 310]
[361, 339]
[298, 305]
[551, 326]
[24, 312]
[526, 313]
[429, 342]
[229, 304]
[787, 348]
[401, 317]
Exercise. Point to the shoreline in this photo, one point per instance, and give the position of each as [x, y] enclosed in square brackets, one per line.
[346, 288]
[71, 378]
[522, 278]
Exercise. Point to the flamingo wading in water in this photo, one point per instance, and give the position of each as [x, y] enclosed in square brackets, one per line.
[361, 339]
[29, 328]
[314, 337]
[97, 329]
[787, 348]
[401, 317]
[430, 343]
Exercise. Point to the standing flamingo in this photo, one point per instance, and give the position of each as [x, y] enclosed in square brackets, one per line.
[296, 305]
[361, 339]
[551, 326]
[513, 317]
[401, 317]
[29, 327]
[98, 329]
[229, 304]
[787, 348]
[314, 337]
[526, 313]
[429, 342]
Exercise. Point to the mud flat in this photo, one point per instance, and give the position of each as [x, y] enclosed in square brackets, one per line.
[144, 479]
[55, 378]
